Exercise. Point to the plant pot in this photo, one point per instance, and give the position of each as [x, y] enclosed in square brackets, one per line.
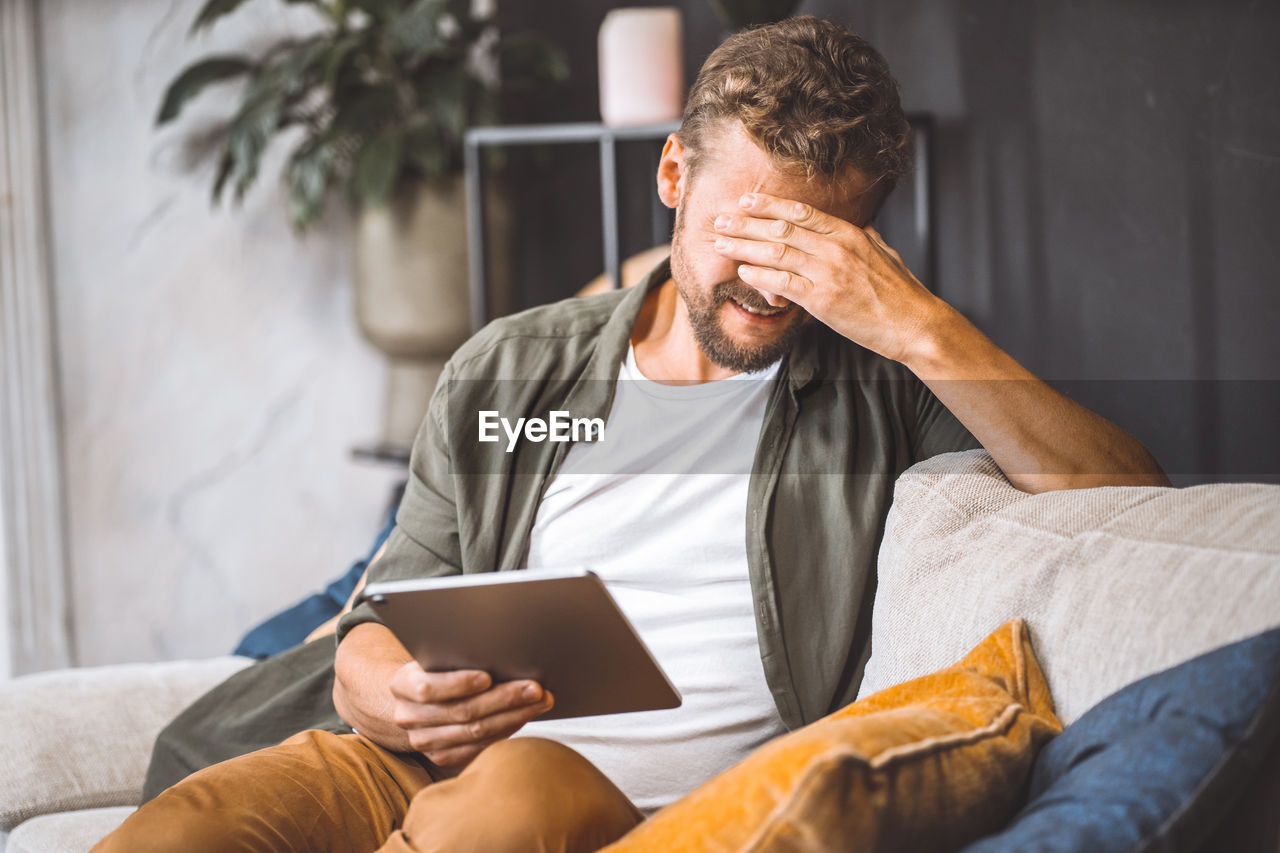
[411, 295]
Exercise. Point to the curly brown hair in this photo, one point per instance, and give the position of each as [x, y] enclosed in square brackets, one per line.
[815, 96]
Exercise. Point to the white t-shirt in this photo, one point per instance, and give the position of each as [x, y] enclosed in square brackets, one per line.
[658, 509]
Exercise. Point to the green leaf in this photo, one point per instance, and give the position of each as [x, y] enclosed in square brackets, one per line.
[246, 144]
[263, 111]
[427, 153]
[212, 11]
[252, 128]
[195, 78]
[377, 167]
[309, 170]
[225, 164]
[385, 90]
[378, 10]
[215, 9]
[444, 97]
[366, 111]
[304, 65]
[417, 28]
[337, 56]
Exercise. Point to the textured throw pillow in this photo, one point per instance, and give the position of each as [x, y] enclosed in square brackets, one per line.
[1116, 583]
[1157, 765]
[926, 765]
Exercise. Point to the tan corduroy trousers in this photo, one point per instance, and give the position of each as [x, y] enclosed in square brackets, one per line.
[321, 791]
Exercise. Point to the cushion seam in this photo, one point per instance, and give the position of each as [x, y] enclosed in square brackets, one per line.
[1019, 659]
[939, 743]
[768, 828]
[945, 497]
[78, 802]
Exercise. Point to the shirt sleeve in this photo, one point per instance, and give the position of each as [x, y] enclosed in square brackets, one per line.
[424, 542]
[937, 430]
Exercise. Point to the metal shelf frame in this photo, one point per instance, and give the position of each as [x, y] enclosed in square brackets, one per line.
[607, 138]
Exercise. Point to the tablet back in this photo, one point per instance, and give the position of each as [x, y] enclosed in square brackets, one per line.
[563, 630]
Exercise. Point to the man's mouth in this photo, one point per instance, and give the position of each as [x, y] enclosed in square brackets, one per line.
[761, 310]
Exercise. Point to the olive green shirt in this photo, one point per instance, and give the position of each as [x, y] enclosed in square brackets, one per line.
[840, 425]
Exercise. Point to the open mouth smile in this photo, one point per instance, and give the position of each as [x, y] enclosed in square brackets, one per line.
[761, 312]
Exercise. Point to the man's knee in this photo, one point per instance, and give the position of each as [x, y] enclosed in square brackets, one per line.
[521, 789]
[538, 774]
[531, 754]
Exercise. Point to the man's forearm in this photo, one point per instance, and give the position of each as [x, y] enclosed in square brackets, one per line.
[1040, 439]
[847, 277]
[367, 658]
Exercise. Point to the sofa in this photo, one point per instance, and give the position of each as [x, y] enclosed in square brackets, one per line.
[1114, 584]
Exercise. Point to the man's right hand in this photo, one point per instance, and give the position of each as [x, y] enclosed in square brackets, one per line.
[450, 717]
[381, 692]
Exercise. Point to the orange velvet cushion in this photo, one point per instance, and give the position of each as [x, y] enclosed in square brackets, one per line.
[930, 764]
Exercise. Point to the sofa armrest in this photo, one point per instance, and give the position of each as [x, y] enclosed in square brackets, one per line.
[81, 738]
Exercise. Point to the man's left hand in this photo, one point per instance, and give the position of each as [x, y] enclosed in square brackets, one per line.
[845, 276]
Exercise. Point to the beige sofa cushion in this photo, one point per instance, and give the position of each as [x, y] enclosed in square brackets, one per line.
[81, 738]
[66, 832]
[1115, 583]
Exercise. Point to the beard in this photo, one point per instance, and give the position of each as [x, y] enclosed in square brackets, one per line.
[703, 307]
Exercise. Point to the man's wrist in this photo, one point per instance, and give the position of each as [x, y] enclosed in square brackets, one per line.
[932, 350]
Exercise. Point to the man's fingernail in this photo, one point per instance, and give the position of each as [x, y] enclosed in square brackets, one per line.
[721, 244]
[532, 692]
[747, 200]
[479, 680]
[722, 222]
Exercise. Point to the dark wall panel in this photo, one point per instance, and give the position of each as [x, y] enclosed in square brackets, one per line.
[1108, 196]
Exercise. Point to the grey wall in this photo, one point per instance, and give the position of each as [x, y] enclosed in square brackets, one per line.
[213, 382]
[1109, 182]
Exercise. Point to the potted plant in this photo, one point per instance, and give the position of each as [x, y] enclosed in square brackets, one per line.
[378, 98]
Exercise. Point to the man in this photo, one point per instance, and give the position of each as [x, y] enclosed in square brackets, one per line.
[751, 576]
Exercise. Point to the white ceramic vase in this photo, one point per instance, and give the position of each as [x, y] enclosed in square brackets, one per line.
[641, 57]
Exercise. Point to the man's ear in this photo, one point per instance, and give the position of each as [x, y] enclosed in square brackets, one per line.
[673, 171]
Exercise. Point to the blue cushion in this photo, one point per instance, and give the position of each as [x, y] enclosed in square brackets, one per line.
[1156, 765]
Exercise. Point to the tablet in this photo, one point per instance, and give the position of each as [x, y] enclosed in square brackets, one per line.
[561, 629]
